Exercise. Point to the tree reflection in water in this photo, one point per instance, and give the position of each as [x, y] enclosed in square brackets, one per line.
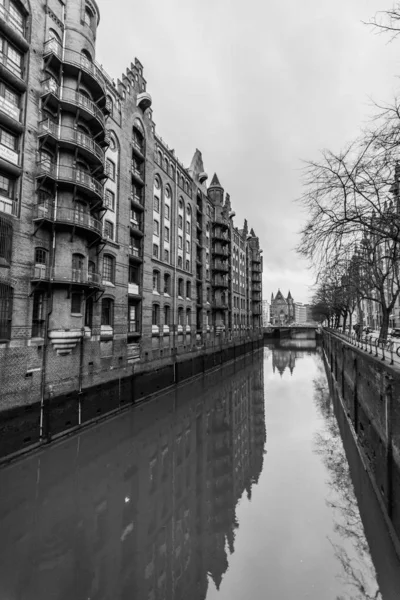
[353, 554]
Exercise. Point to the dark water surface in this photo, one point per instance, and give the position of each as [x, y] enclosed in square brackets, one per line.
[231, 487]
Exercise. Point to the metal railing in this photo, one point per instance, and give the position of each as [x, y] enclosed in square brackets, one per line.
[388, 350]
[66, 274]
[75, 58]
[71, 174]
[69, 134]
[72, 96]
[68, 215]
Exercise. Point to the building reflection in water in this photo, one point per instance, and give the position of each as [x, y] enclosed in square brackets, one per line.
[142, 506]
[355, 567]
[286, 352]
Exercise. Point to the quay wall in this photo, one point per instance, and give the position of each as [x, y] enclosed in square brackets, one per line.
[369, 391]
[31, 420]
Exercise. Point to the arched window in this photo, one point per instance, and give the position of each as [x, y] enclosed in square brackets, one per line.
[86, 58]
[180, 287]
[53, 35]
[187, 265]
[17, 17]
[157, 182]
[138, 136]
[166, 165]
[159, 157]
[108, 268]
[180, 316]
[38, 314]
[107, 312]
[167, 283]
[188, 209]
[180, 204]
[188, 289]
[188, 317]
[89, 17]
[110, 105]
[180, 262]
[155, 319]
[167, 315]
[167, 192]
[78, 264]
[156, 281]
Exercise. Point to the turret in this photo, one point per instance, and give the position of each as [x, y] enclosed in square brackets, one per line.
[216, 191]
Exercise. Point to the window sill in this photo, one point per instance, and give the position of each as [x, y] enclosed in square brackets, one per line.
[156, 293]
[108, 283]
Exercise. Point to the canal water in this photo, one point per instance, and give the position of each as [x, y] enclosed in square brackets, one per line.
[232, 486]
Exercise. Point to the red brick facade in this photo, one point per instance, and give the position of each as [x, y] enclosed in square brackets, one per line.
[111, 252]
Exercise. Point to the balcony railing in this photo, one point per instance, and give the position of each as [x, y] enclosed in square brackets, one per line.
[72, 175]
[74, 58]
[221, 222]
[138, 147]
[68, 215]
[15, 23]
[61, 274]
[69, 134]
[219, 304]
[220, 281]
[221, 250]
[219, 265]
[73, 97]
[13, 67]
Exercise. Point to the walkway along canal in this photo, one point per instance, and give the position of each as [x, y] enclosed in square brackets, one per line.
[230, 486]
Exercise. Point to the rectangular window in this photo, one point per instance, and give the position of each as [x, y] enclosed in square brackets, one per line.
[180, 222]
[155, 250]
[16, 18]
[76, 303]
[108, 269]
[14, 62]
[110, 200]
[156, 227]
[187, 265]
[156, 204]
[8, 139]
[132, 319]
[6, 187]
[110, 169]
[134, 274]
[187, 247]
[188, 227]
[166, 256]
[166, 212]
[180, 241]
[109, 230]
[38, 314]
[166, 234]
[9, 95]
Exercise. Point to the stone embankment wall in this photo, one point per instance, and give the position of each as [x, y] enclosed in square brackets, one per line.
[369, 391]
[26, 426]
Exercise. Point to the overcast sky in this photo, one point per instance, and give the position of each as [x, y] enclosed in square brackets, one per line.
[257, 86]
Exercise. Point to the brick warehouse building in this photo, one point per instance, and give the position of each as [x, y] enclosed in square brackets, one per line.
[111, 251]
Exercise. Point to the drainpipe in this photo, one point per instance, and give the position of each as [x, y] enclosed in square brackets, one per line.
[175, 263]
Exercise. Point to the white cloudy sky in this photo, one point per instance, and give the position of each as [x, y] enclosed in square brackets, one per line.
[257, 86]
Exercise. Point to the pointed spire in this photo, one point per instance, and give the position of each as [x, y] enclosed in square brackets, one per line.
[245, 227]
[215, 182]
[228, 202]
[252, 233]
[289, 296]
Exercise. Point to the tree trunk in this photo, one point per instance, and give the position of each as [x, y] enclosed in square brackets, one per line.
[344, 320]
[385, 325]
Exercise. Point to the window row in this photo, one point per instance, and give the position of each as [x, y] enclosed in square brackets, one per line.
[184, 290]
[78, 265]
[166, 257]
[184, 317]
